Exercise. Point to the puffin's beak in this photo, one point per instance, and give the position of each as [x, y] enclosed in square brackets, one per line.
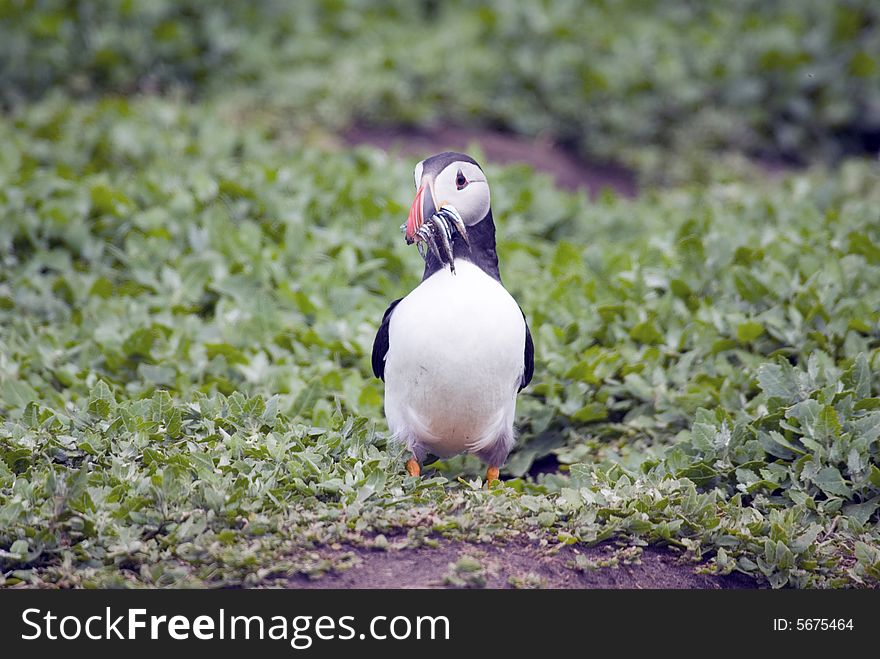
[422, 208]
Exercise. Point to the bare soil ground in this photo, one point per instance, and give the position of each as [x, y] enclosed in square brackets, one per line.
[568, 170]
[515, 564]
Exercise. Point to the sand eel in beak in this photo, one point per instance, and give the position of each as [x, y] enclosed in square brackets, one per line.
[457, 350]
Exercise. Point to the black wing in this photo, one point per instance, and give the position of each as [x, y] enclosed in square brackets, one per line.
[528, 358]
[380, 343]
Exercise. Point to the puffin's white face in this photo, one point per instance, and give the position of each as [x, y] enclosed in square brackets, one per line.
[451, 195]
[460, 184]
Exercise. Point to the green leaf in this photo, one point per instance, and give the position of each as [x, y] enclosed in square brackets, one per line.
[867, 404]
[232, 354]
[647, 332]
[106, 199]
[874, 477]
[861, 243]
[567, 259]
[139, 343]
[31, 415]
[778, 381]
[831, 482]
[305, 401]
[867, 554]
[17, 394]
[19, 547]
[591, 412]
[749, 286]
[161, 406]
[101, 400]
[858, 377]
[749, 331]
[827, 427]
[807, 414]
[582, 475]
[862, 512]
[867, 427]
[777, 445]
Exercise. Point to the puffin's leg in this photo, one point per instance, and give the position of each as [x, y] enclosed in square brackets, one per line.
[495, 455]
[491, 475]
[412, 467]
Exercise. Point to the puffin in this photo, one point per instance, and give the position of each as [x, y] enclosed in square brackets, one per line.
[454, 353]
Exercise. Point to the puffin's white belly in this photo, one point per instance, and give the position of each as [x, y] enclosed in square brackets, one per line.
[454, 363]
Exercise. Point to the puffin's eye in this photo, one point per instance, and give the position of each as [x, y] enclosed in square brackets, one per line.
[460, 181]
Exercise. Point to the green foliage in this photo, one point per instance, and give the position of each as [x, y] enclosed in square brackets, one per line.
[466, 572]
[654, 86]
[187, 304]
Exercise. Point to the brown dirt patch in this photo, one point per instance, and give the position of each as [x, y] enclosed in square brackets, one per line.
[515, 564]
[567, 170]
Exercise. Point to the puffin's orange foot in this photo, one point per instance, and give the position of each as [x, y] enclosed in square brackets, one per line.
[412, 467]
[491, 475]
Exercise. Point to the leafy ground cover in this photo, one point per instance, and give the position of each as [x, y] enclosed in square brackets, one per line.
[666, 88]
[188, 295]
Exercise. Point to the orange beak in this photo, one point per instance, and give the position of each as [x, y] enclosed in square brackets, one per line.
[416, 215]
[416, 218]
[422, 208]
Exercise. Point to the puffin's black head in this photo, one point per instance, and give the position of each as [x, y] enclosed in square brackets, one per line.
[448, 179]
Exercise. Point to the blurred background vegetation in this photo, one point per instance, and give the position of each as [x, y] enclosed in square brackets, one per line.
[661, 87]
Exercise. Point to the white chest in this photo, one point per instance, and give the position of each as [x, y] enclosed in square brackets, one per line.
[455, 359]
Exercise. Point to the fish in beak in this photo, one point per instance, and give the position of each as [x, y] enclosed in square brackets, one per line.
[426, 225]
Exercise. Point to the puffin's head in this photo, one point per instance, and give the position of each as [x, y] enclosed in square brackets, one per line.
[448, 179]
